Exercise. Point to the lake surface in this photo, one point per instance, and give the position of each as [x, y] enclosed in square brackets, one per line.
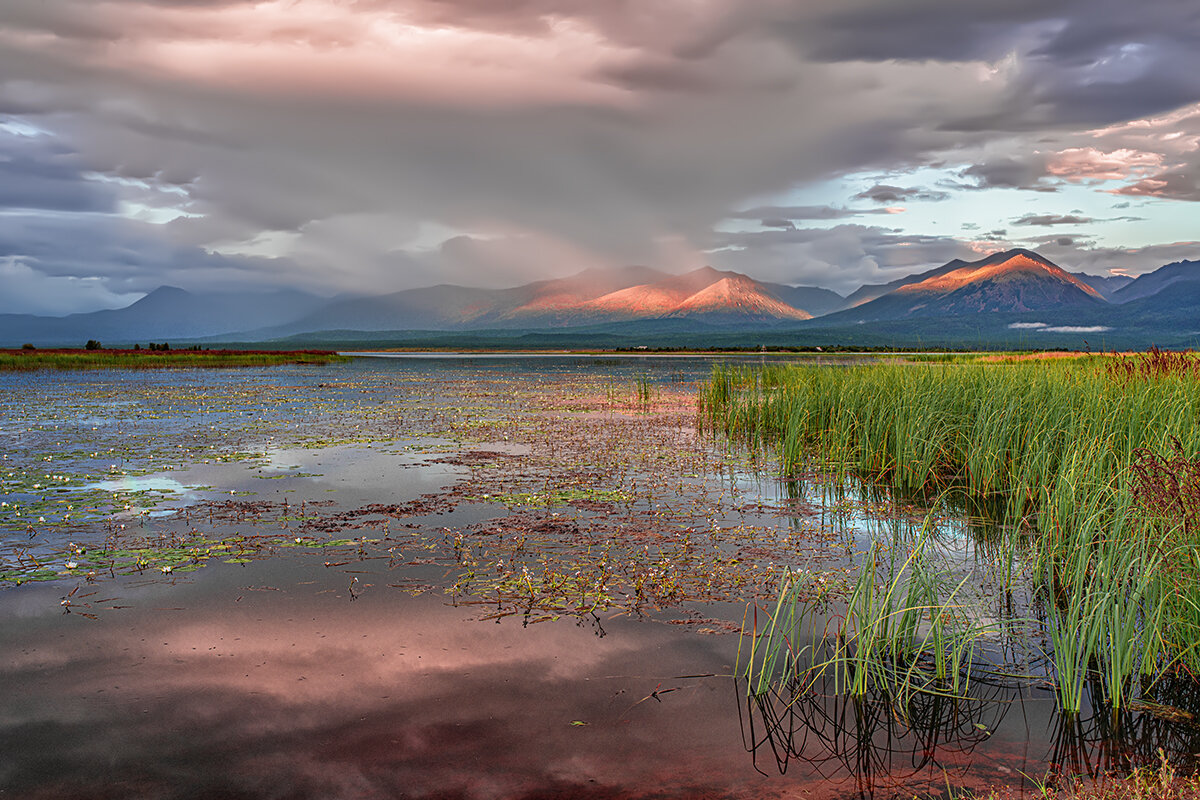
[442, 577]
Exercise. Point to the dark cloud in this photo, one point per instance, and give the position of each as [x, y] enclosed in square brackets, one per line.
[1051, 219]
[38, 173]
[1049, 240]
[939, 30]
[1078, 62]
[1007, 173]
[797, 213]
[78, 260]
[886, 193]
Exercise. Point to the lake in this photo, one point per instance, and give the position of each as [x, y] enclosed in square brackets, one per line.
[457, 576]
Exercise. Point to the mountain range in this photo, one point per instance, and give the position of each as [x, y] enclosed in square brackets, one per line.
[1012, 294]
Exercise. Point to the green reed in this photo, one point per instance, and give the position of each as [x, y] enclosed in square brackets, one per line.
[903, 630]
[1050, 446]
[1012, 430]
[644, 390]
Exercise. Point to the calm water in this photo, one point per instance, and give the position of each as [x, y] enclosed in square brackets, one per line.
[438, 578]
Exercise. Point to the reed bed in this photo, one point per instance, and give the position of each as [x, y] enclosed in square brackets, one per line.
[1091, 461]
[158, 359]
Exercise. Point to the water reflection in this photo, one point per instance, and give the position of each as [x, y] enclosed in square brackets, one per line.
[997, 735]
[268, 682]
[878, 743]
[1099, 741]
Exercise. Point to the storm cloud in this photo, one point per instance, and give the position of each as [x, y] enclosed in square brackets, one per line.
[378, 145]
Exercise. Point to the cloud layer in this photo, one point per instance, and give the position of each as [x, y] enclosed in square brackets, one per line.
[377, 145]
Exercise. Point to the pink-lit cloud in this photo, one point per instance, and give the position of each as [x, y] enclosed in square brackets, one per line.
[1089, 163]
[1170, 147]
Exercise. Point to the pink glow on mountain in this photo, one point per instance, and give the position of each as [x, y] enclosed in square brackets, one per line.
[1008, 269]
[738, 294]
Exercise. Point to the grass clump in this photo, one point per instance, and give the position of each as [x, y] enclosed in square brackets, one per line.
[905, 628]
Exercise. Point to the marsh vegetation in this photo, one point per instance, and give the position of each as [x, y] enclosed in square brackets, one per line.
[156, 357]
[1081, 573]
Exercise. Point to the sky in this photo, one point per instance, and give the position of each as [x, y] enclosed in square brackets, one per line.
[368, 146]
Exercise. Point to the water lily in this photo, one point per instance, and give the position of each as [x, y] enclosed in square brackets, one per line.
[71, 565]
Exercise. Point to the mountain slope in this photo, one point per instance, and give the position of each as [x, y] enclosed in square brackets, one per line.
[1154, 282]
[591, 297]
[731, 296]
[546, 300]
[737, 295]
[868, 292]
[430, 308]
[1106, 285]
[811, 299]
[1013, 281]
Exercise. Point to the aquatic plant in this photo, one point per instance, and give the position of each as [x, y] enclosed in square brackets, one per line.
[903, 630]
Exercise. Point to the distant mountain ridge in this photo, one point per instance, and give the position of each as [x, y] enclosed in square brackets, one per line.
[1017, 288]
[1154, 282]
[869, 292]
[590, 297]
[166, 313]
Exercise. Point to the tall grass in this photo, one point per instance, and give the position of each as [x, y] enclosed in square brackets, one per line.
[1065, 450]
[1037, 434]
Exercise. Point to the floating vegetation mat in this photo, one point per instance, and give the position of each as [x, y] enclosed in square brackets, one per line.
[559, 495]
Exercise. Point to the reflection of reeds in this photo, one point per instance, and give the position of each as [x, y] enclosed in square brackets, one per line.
[862, 739]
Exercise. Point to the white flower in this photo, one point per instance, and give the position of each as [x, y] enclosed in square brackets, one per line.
[71, 565]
